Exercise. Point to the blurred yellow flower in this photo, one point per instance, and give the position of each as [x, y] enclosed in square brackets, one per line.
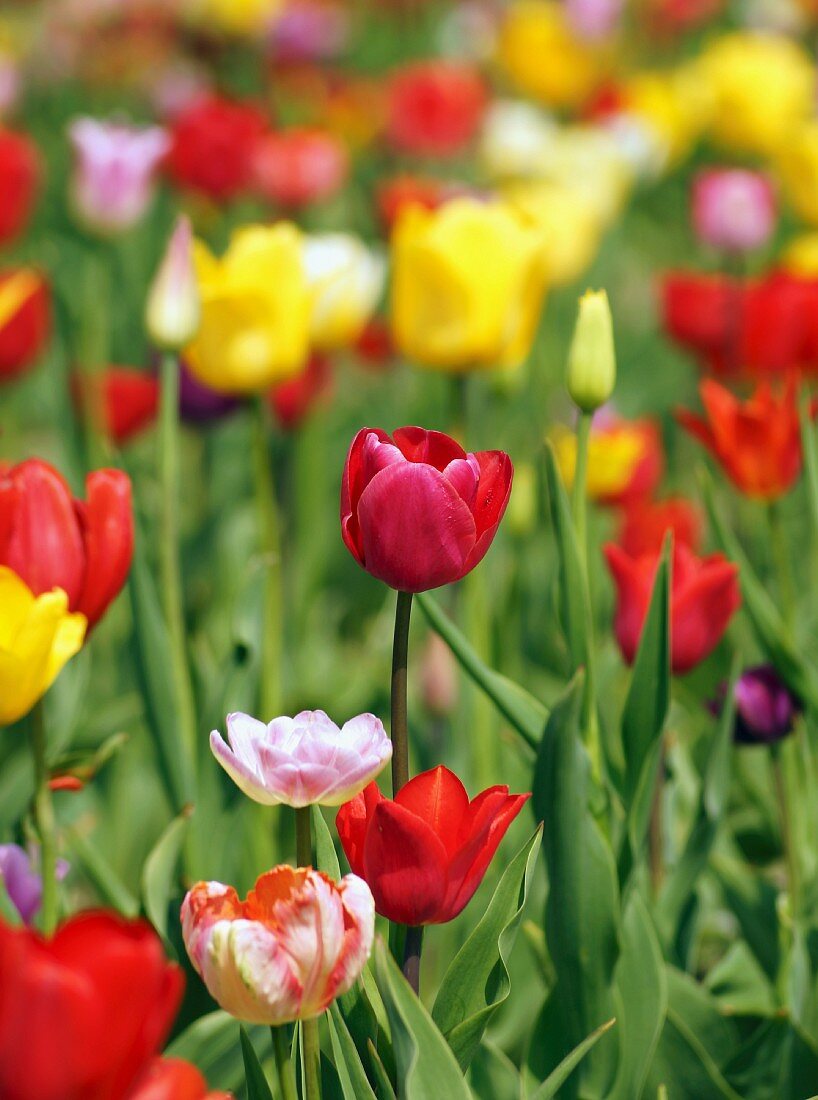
[797, 169]
[763, 87]
[800, 257]
[467, 285]
[255, 311]
[570, 225]
[37, 636]
[240, 17]
[544, 57]
[345, 280]
[587, 161]
[676, 105]
[613, 457]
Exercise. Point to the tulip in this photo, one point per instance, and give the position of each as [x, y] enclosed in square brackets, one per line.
[174, 310]
[296, 168]
[625, 458]
[115, 168]
[292, 401]
[307, 30]
[173, 1079]
[766, 710]
[434, 108]
[447, 314]
[297, 942]
[37, 637]
[21, 878]
[704, 597]
[591, 358]
[214, 147]
[645, 524]
[567, 219]
[25, 320]
[733, 210]
[594, 19]
[235, 17]
[255, 311]
[302, 761]
[52, 540]
[516, 139]
[425, 853]
[756, 442]
[199, 404]
[83, 1014]
[796, 167]
[418, 512]
[345, 280]
[19, 174]
[125, 400]
[397, 193]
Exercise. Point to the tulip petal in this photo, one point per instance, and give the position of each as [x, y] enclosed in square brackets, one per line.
[434, 448]
[439, 798]
[491, 500]
[352, 822]
[405, 865]
[108, 533]
[243, 774]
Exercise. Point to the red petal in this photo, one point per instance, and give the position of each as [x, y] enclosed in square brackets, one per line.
[108, 530]
[352, 822]
[438, 798]
[434, 448]
[404, 866]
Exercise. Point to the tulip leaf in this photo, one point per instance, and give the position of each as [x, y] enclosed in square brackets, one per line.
[426, 1066]
[351, 1073]
[525, 713]
[379, 1072]
[582, 910]
[554, 1082]
[158, 875]
[477, 980]
[210, 1043]
[810, 450]
[112, 889]
[258, 1087]
[326, 857]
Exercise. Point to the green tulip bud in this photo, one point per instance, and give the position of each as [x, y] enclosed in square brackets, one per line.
[592, 359]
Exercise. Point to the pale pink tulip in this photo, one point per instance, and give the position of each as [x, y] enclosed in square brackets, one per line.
[297, 942]
[302, 761]
[734, 209]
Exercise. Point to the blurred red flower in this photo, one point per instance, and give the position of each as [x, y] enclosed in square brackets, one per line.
[293, 400]
[434, 108]
[25, 320]
[214, 147]
[295, 168]
[424, 854]
[395, 193]
[126, 399]
[52, 540]
[645, 523]
[173, 1079]
[19, 175]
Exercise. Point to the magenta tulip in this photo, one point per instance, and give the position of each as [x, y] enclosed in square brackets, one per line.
[418, 512]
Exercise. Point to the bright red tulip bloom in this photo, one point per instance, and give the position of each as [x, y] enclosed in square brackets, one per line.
[645, 523]
[19, 175]
[127, 401]
[434, 108]
[173, 1079]
[214, 147]
[25, 320]
[83, 1015]
[424, 854]
[295, 168]
[52, 540]
[418, 512]
[704, 596]
[757, 442]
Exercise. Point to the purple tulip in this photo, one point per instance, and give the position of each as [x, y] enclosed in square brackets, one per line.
[765, 708]
[198, 404]
[21, 877]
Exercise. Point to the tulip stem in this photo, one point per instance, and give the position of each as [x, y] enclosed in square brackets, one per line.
[787, 837]
[303, 837]
[783, 566]
[286, 1078]
[270, 540]
[413, 945]
[310, 1042]
[172, 601]
[579, 501]
[44, 817]
[400, 726]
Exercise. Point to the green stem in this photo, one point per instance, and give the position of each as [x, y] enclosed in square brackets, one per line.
[286, 1078]
[270, 545]
[579, 501]
[309, 1028]
[413, 945]
[44, 817]
[400, 727]
[170, 575]
[783, 565]
[787, 834]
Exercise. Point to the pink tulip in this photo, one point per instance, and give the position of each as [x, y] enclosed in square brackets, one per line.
[733, 209]
[298, 941]
[594, 19]
[114, 172]
[302, 761]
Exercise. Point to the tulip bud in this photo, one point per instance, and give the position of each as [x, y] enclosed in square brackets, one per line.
[174, 311]
[592, 359]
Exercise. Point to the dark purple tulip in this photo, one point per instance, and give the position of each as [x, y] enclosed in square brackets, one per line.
[765, 708]
[198, 403]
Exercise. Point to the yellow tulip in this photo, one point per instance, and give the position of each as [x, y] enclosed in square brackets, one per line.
[37, 636]
[763, 86]
[800, 257]
[613, 457]
[797, 166]
[676, 105]
[255, 306]
[242, 17]
[467, 285]
[544, 57]
[345, 280]
[570, 225]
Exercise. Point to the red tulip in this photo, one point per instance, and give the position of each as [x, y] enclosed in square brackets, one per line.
[434, 108]
[52, 540]
[424, 854]
[757, 442]
[173, 1079]
[295, 168]
[645, 523]
[25, 320]
[127, 399]
[214, 147]
[418, 512]
[19, 172]
[704, 596]
[293, 400]
[82, 1015]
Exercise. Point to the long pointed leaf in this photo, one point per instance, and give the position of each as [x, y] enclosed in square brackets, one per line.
[554, 1082]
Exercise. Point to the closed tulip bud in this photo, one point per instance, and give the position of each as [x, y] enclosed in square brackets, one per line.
[592, 359]
[174, 309]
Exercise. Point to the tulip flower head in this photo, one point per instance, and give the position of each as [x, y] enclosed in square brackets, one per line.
[173, 1079]
[418, 512]
[733, 209]
[434, 108]
[345, 280]
[425, 853]
[124, 401]
[114, 173]
[52, 540]
[38, 636]
[766, 710]
[704, 596]
[25, 320]
[645, 524]
[592, 359]
[625, 458]
[302, 761]
[22, 881]
[594, 19]
[298, 941]
[19, 174]
[174, 311]
[296, 168]
[214, 143]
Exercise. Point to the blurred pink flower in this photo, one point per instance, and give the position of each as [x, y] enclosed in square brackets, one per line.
[114, 171]
[592, 19]
[302, 761]
[20, 877]
[734, 209]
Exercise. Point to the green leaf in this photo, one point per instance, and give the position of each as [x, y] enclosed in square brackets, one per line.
[351, 1073]
[739, 984]
[385, 1089]
[210, 1043]
[493, 1075]
[159, 872]
[112, 889]
[554, 1082]
[325, 855]
[426, 1066]
[477, 980]
[257, 1086]
[525, 713]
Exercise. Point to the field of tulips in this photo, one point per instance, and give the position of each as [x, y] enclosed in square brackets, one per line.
[408, 550]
